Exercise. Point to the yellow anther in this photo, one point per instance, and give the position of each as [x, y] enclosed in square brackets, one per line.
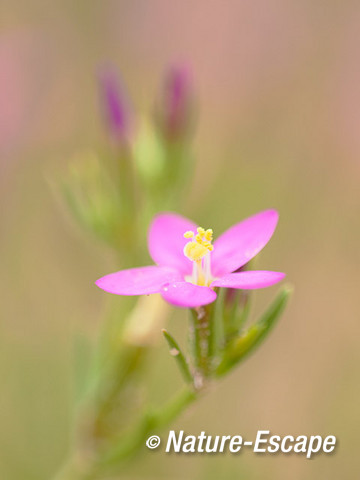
[198, 249]
[195, 251]
[198, 238]
[200, 245]
[209, 234]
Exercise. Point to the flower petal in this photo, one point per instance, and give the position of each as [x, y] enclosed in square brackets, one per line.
[138, 281]
[166, 241]
[242, 242]
[186, 294]
[249, 280]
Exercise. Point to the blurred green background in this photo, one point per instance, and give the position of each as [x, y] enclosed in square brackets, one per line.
[279, 97]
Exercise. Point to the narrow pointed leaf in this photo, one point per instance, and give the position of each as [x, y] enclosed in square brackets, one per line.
[241, 346]
[176, 352]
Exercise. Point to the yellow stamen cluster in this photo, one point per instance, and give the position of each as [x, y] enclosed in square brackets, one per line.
[200, 244]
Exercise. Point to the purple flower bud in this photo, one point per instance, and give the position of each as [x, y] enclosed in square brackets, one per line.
[115, 106]
[175, 108]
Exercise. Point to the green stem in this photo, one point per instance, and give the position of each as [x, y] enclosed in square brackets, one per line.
[129, 443]
[132, 441]
[203, 340]
[129, 364]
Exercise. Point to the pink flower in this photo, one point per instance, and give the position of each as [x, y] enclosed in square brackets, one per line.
[188, 266]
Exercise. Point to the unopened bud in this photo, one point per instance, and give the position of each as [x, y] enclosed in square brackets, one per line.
[115, 106]
[174, 112]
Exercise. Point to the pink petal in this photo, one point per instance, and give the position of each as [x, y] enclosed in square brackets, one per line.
[166, 241]
[186, 294]
[249, 280]
[138, 281]
[242, 242]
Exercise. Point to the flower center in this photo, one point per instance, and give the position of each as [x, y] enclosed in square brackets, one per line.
[198, 251]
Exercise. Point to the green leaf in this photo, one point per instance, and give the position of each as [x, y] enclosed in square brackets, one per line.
[241, 346]
[176, 352]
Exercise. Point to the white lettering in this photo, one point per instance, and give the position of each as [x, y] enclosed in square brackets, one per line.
[260, 440]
